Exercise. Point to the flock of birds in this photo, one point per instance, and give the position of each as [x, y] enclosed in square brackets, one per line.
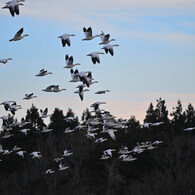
[109, 125]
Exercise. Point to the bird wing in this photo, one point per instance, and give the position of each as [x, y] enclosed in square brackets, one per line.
[63, 42]
[111, 133]
[97, 59]
[81, 92]
[106, 37]
[89, 32]
[11, 9]
[111, 51]
[71, 59]
[45, 111]
[68, 42]
[93, 60]
[18, 34]
[17, 9]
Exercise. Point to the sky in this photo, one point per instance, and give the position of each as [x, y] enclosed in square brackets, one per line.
[155, 57]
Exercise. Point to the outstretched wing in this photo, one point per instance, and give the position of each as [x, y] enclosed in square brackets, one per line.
[18, 34]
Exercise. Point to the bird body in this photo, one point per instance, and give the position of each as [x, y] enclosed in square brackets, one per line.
[189, 129]
[109, 48]
[36, 155]
[21, 153]
[102, 92]
[105, 38]
[43, 73]
[13, 7]
[69, 62]
[29, 96]
[65, 38]
[88, 34]
[95, 56]
[67, 153]
[4, 61]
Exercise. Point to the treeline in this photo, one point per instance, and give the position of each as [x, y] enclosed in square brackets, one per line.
[169, 169]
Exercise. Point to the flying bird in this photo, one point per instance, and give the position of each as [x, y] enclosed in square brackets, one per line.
[69, 62]
[109, 48]
[18, 36]
[65, 39]
[88, 34]
[102, 92]
[13, 6]
[4, 61]
[95, 57]
[105, 38]
[43, 72]
[29, 96]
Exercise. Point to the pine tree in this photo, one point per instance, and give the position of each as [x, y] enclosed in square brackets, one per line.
[57, 120]
[161, 111]
[85, 115]
[33, 116]
[150, 114]
[190, 116]
[178, 115]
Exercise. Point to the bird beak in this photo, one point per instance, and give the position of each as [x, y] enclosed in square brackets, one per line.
[88, 54]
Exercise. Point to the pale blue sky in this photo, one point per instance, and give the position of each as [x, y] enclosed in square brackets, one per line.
[155, 58]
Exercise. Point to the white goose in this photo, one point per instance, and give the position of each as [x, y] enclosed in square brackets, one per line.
[91, 135]
[49, 171]
[65, 39]
[67, 153]
[36, 155]
[21, 153]
[4, 61]
[88, 34]
[43, 72]
[49, 88]
[84, 90]
[129, 158]
[62, 167]
[100, 140]
[109, 152]
[109, 48]
[105, 157]
[68, 130]
[29, 96]
[24, 131]
[69, 62]
[18, 36]
[56, 89]
[44, 113]
[102, 92]
[46, 130]
[105, 38]
[95, 57]
[13, 6]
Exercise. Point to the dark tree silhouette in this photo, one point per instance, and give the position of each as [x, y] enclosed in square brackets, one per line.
[150, 114]
[190, 116]
[34, 117]
[161, 111]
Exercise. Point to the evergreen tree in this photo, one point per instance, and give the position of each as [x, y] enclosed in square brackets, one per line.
[178, 115]
[161, 111]
[57, 120]
[69, 113]
[190, 116]
[133, 123]
[150, 114]
[85, 115]
[34, 118]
